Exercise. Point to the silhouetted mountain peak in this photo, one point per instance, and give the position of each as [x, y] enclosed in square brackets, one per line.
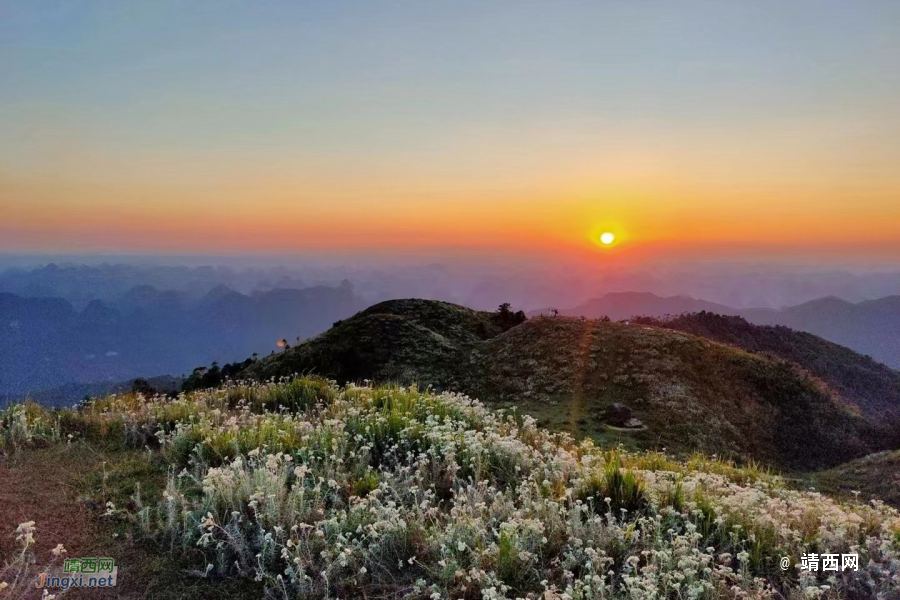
[624, 305]
[218, 292]
[824, 303]
[98, 311]
[888, 303]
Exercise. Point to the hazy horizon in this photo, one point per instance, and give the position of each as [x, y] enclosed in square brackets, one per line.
[476, 282]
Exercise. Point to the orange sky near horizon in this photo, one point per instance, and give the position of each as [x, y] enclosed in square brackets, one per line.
[659, 221]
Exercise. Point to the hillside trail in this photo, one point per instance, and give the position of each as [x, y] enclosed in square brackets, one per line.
[48, 486]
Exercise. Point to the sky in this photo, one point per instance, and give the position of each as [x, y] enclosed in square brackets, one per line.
[762, 130]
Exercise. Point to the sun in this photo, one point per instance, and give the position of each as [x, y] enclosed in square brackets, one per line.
[607, 235]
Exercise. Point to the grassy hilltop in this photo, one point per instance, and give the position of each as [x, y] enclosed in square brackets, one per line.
[303, 489]
[691, 393]
[399, 340]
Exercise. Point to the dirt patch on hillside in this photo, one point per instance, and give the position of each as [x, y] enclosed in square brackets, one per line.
[52, 487]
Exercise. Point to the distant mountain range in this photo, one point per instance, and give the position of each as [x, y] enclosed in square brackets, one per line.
[46, 343]
[620, 306]
[871, 327]
[82, 283]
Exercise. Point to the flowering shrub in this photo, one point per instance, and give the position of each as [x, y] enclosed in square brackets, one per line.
[393, 492]
[17, 575]
[327, 492]
[23, 425]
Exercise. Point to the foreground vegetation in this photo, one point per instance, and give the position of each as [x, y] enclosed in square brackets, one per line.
[316, 491]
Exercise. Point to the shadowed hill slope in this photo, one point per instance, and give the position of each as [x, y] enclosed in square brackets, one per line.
[871, 385]
[871, 327]
[691, 393]
[874, 476]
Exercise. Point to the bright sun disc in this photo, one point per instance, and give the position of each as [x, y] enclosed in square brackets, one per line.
[607, 238]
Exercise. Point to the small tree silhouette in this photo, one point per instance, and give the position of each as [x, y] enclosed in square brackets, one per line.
[142, 386]
[506, 318]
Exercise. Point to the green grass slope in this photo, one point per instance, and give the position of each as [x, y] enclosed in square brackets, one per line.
[873, 386]
[691, 393]
[874, 476]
